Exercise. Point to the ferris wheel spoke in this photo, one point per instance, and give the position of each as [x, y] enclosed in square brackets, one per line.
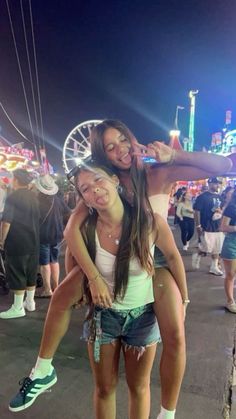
[70, 149]
[82, 135]
[77, 145]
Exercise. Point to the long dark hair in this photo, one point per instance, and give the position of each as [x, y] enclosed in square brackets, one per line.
[142, 209]
[129, 245]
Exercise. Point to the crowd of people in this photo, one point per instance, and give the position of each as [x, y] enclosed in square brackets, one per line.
[31, 232]
[121, 259]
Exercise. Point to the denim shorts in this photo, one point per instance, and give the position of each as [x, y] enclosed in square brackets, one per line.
[159, 259]
[48, 253]
[229, 247]
[136, 328]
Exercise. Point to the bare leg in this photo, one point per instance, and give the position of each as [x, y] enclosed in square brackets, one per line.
[169, 311]
[55, 272]
[68, 293]
[138, 378]
[230, 271]
[105, 375]
[45, 271]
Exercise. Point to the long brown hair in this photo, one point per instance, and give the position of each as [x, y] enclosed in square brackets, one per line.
[142, 209]
[129, 245]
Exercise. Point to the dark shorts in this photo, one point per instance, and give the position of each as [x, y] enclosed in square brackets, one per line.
[136, 328]
[48, 253]
[21, 271]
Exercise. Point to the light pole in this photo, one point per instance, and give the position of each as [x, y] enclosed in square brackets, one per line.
[177, 116]
[190, 143]
[175, 133]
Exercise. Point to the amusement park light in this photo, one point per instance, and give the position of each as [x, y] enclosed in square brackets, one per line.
[34, 163]
[78, 160]
[174, 133]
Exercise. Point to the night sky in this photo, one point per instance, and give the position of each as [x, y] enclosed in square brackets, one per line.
[129, 60]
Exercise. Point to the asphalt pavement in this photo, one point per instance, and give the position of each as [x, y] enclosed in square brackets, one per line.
[208, 389]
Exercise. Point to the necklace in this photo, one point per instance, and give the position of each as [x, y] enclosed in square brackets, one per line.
[113, 234]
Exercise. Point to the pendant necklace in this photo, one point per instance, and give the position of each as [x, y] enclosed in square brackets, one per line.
[110, 234]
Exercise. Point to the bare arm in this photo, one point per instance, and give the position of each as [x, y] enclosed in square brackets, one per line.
[98, 288]
[5, 227]
[75, 241]
[166, 243]
[225, 227]
[196, 166]
[184, 165]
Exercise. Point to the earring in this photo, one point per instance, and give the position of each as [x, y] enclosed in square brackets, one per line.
[90, 210]
[119, 189]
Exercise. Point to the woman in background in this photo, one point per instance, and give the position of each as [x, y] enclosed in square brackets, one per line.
[228, 252]
[185, 213]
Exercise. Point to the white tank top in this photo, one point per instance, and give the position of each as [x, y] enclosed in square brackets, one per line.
[160, 204]
[139, 289]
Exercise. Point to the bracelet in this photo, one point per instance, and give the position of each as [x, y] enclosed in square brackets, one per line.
[172, 158]
[94, 279]
[199, 225]
[186, 301]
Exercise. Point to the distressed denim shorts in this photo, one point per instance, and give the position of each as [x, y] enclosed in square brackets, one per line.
[136, 328]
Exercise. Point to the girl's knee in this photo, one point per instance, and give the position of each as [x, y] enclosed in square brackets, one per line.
[174, 340]
[105, 390]
[139, 389]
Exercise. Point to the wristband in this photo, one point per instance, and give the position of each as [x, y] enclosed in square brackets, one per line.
[199, 225]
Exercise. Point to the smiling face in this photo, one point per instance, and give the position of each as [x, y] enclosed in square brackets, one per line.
[97, 188]
[117, 148]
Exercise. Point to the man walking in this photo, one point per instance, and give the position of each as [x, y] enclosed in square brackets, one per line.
[20, 240]
[208, 214]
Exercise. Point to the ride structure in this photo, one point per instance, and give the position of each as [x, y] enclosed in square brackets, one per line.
[189, 144]
[77, 144]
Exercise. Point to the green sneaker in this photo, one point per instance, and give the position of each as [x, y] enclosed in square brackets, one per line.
[30, 390]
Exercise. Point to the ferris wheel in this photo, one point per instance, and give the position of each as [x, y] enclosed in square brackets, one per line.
[77, 145]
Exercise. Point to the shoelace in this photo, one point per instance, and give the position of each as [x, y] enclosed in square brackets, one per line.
[24, 383]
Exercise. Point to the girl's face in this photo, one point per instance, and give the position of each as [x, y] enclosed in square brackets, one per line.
[188, 196]
[97, 188]
[117, 148]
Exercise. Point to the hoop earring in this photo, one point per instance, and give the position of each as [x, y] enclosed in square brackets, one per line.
[119, 189]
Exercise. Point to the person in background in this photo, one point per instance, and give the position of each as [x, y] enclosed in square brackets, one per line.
[3, 196]
[70, 197]
[185, 213]
[208, 215]
[228, 252]
[226, 196]
[20, 240]
[177, 198]
[53, 212]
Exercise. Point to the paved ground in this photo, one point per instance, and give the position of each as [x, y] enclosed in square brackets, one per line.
[205, 392]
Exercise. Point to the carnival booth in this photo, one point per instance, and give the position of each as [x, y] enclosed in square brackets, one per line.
[15, 157]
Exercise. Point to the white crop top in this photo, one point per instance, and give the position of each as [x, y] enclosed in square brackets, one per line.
[139, 289]
[160, 204]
